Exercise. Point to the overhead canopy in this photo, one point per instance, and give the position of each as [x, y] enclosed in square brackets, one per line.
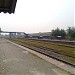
[7, 6]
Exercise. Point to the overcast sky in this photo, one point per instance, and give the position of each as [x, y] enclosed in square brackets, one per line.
[39, 16]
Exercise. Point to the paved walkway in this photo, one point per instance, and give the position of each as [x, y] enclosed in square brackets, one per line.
[18, 61]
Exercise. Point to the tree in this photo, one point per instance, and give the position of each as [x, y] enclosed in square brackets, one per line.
[63, 33]
[71, 32]
[58, 34]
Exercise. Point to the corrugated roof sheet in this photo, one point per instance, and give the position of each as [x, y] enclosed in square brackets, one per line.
[7, 6]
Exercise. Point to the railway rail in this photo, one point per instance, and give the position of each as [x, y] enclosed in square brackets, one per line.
[49, 54]
[56, 41]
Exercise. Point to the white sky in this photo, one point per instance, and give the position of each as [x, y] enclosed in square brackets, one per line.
[33, 16]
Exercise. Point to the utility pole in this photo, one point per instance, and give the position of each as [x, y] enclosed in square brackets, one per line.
[0, 32]
[0, 29]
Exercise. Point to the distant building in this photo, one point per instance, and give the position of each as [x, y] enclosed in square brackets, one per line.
[20, 35]
[43, 35]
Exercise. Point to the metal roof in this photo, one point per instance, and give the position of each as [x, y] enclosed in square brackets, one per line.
[7, 6]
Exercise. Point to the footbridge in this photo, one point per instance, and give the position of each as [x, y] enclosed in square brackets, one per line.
[13, 34]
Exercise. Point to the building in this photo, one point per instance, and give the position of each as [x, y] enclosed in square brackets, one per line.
[43, 35]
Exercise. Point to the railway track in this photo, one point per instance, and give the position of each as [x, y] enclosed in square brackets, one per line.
[48, 53]
[52, 50]
[56, 41]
